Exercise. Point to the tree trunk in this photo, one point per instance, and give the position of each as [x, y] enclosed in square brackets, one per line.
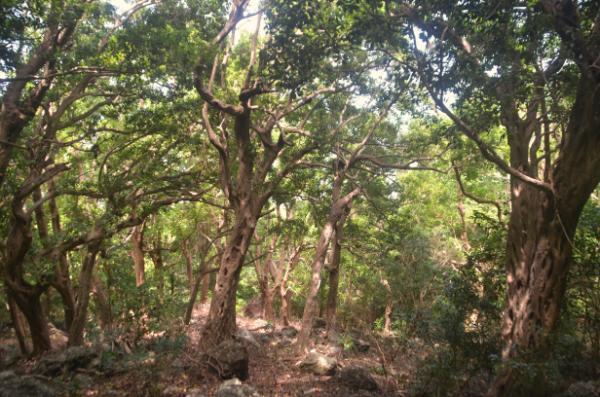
[334, 271]
[83, 291]
[189, 265]
[102, 302]
[195, 286]
[19, 291]
[137, 254]
[205, 288]
[540, 235]
[221, 324]
[310, 308]
[285, 311]
[62, 283]
[20, 328]
[337, 211]
[389, 307]
[263, 273]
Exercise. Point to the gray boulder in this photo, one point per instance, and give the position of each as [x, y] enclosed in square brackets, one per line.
[319, 364]
[229, 359]
[68, 360]
[358, 378]
[235, 388]
[248, 337]
[12, 385]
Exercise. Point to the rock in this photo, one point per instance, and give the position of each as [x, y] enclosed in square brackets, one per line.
[358, 378]
[583, 389]
[229, 359]
[246, 336]
[289, 332]
[235, 388]
[12, 385]
[68, 360]
[319, 364]
[262, 324]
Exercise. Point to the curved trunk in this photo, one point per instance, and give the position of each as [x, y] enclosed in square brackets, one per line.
[25, 295]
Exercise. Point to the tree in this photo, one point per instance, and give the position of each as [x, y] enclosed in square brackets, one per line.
[248, 178]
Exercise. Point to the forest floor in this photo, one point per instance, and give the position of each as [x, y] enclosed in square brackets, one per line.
[273, 368]
[165, 368]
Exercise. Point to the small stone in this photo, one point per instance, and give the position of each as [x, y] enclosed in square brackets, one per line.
[235, 388]
[319, 364]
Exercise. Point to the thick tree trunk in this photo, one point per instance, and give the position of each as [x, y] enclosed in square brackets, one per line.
[83, 291]
[221, 322]
[540, 236]
[19, 291]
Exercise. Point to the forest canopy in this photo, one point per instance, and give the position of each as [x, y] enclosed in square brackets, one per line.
[403, 192]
